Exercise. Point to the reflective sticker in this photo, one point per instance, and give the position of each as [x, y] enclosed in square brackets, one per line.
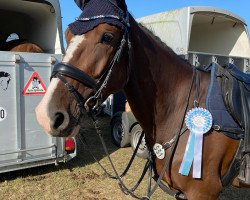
[159, 151]
[4, 80]
[3, 114]
[34, 86]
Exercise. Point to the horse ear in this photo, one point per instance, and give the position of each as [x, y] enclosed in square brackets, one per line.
[81, 3]
[120, 3]
[123, 5]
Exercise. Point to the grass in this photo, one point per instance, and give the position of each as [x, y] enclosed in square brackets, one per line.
[82, 178]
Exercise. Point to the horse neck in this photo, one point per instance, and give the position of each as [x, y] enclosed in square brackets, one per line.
[156, 76]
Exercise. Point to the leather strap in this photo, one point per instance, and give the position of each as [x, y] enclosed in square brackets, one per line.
[74, 73]
[234, 167]
[169, 191]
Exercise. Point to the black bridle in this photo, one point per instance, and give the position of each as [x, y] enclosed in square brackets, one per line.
[62, 70]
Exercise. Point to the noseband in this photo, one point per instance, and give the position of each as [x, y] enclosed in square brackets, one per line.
[62, 70]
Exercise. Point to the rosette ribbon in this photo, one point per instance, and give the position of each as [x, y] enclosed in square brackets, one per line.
[198, 121]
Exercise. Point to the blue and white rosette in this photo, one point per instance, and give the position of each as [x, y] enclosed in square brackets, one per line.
[198, 121]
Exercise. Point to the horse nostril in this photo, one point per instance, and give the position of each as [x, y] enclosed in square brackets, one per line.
[59, 119]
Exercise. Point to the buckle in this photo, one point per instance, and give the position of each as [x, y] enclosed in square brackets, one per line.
[216, 127]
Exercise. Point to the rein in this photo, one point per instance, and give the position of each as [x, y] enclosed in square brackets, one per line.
[147, 167]
[150, 162]
[176, 140]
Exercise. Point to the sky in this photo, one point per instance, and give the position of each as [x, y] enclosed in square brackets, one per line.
[140, 8]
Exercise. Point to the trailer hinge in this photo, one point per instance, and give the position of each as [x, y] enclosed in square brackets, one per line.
[195, 59]
[231, 60]
[246, 66]
[213, 59]
[17, 58]
[52, 60]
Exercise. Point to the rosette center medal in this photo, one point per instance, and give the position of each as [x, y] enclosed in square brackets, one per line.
[198, 121]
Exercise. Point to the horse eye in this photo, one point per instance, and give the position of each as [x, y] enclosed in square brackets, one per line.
[107, 38]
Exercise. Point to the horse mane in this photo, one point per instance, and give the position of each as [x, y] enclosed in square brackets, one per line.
[159, 41]
[152, 34]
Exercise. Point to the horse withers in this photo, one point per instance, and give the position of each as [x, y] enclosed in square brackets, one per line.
[107, 50]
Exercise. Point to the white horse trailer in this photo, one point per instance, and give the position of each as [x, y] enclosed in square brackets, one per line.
[24, 78]
[201, 35]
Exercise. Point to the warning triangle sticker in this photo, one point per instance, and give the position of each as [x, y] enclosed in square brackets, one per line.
[34, 86]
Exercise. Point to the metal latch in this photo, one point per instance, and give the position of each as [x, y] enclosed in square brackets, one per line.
[52, 60]
[17, 58]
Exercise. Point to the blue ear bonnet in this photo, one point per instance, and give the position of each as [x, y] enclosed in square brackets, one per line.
[95, 12]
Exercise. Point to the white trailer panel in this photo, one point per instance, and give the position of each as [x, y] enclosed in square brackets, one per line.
[24, 78]
[22, 140]
[206, 30]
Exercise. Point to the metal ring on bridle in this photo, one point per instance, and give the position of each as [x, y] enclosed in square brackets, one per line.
[87, 103]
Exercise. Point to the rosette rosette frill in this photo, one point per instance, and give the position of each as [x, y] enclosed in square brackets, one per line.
[198, 121]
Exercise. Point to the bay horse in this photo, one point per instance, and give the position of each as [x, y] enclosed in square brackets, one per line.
[113, 54]
[21, 45]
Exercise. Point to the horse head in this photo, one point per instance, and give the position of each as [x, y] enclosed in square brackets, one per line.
[94, 66]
